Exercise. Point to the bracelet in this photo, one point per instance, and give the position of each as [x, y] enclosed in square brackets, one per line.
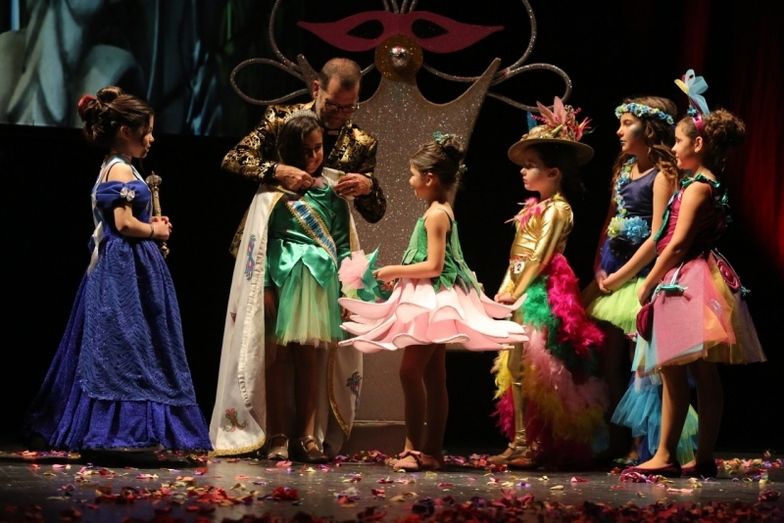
[152, 231]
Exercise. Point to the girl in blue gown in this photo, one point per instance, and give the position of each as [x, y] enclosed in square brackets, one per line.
[120, 379]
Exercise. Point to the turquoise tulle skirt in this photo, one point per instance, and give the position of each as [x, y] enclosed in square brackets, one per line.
[640, 410]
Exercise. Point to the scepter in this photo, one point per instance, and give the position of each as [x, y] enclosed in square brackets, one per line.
[154, 182]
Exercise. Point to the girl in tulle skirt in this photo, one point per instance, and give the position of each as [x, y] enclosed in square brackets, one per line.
[436, 301]
[696, 316]
[644, 178]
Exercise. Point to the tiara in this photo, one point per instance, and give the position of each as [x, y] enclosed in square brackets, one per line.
[644, 111]
[300, 113]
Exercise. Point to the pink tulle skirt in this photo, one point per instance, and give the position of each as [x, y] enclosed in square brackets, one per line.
[708, 320]
[415, 314]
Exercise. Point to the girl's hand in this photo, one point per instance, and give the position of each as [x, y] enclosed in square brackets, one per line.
[608, 284]
[644, 293]
[160, 229]
[599, 275]
[505, 297]
[162, 220]
[385, 274]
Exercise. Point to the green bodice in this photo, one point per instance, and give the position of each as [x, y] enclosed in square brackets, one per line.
[288, 242]
[455, 270]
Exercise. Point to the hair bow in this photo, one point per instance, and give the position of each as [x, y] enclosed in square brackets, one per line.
[694, 86]
[441, 137]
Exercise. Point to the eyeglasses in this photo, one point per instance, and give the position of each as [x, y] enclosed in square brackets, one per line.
[333, 107]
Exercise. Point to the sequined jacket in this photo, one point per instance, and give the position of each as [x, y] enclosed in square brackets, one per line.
[542, 230]
[354, 152]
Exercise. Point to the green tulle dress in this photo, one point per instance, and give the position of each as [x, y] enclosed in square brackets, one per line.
[307, 239]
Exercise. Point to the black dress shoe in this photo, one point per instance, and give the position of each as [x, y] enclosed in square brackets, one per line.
[704, 469]
[671, 470]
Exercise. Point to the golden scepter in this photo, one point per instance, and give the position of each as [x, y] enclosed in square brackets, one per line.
[154, 182]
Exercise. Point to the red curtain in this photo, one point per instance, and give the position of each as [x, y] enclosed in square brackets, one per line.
[757, 96]
[738, 48]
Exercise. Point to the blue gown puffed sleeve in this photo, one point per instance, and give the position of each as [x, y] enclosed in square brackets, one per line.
[109, 195]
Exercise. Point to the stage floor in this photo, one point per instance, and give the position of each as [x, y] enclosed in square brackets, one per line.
[46, 487]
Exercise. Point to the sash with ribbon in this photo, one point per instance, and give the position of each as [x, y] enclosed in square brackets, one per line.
[313, 226]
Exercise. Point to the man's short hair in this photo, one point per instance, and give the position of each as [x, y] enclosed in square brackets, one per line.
[345, 70]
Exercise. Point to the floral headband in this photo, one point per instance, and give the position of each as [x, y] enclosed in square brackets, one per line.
[694, 86]
[644, 111]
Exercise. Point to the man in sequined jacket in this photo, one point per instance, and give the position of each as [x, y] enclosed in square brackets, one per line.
[347, 148]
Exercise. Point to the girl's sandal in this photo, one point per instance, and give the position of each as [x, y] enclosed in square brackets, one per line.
[413, 461]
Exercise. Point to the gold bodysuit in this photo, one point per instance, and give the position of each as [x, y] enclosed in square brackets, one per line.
[542, 230]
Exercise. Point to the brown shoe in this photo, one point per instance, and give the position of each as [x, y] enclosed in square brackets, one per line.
[309, 451]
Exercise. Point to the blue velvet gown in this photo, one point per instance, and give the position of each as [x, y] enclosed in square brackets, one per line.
[120, 378]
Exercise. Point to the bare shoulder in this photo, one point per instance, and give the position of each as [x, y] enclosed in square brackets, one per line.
[438, 216]
[120, 172]
[697, 191]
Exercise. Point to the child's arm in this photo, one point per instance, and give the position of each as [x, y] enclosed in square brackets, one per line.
[126, 223]
[437, 225]
[663, 187]
[554, 221]
[695, 198]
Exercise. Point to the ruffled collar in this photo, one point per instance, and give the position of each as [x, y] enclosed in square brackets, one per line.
[532, 207]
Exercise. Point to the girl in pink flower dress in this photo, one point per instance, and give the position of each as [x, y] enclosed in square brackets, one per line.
[436, 301]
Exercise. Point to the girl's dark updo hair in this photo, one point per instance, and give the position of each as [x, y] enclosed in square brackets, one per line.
[292, 135]
[443, 157]
[111, 108]
[721, 131]
[657, 134]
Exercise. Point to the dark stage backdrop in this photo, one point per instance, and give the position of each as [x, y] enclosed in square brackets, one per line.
[611, 50]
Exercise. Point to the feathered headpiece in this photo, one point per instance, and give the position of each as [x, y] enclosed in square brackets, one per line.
[558, 125]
